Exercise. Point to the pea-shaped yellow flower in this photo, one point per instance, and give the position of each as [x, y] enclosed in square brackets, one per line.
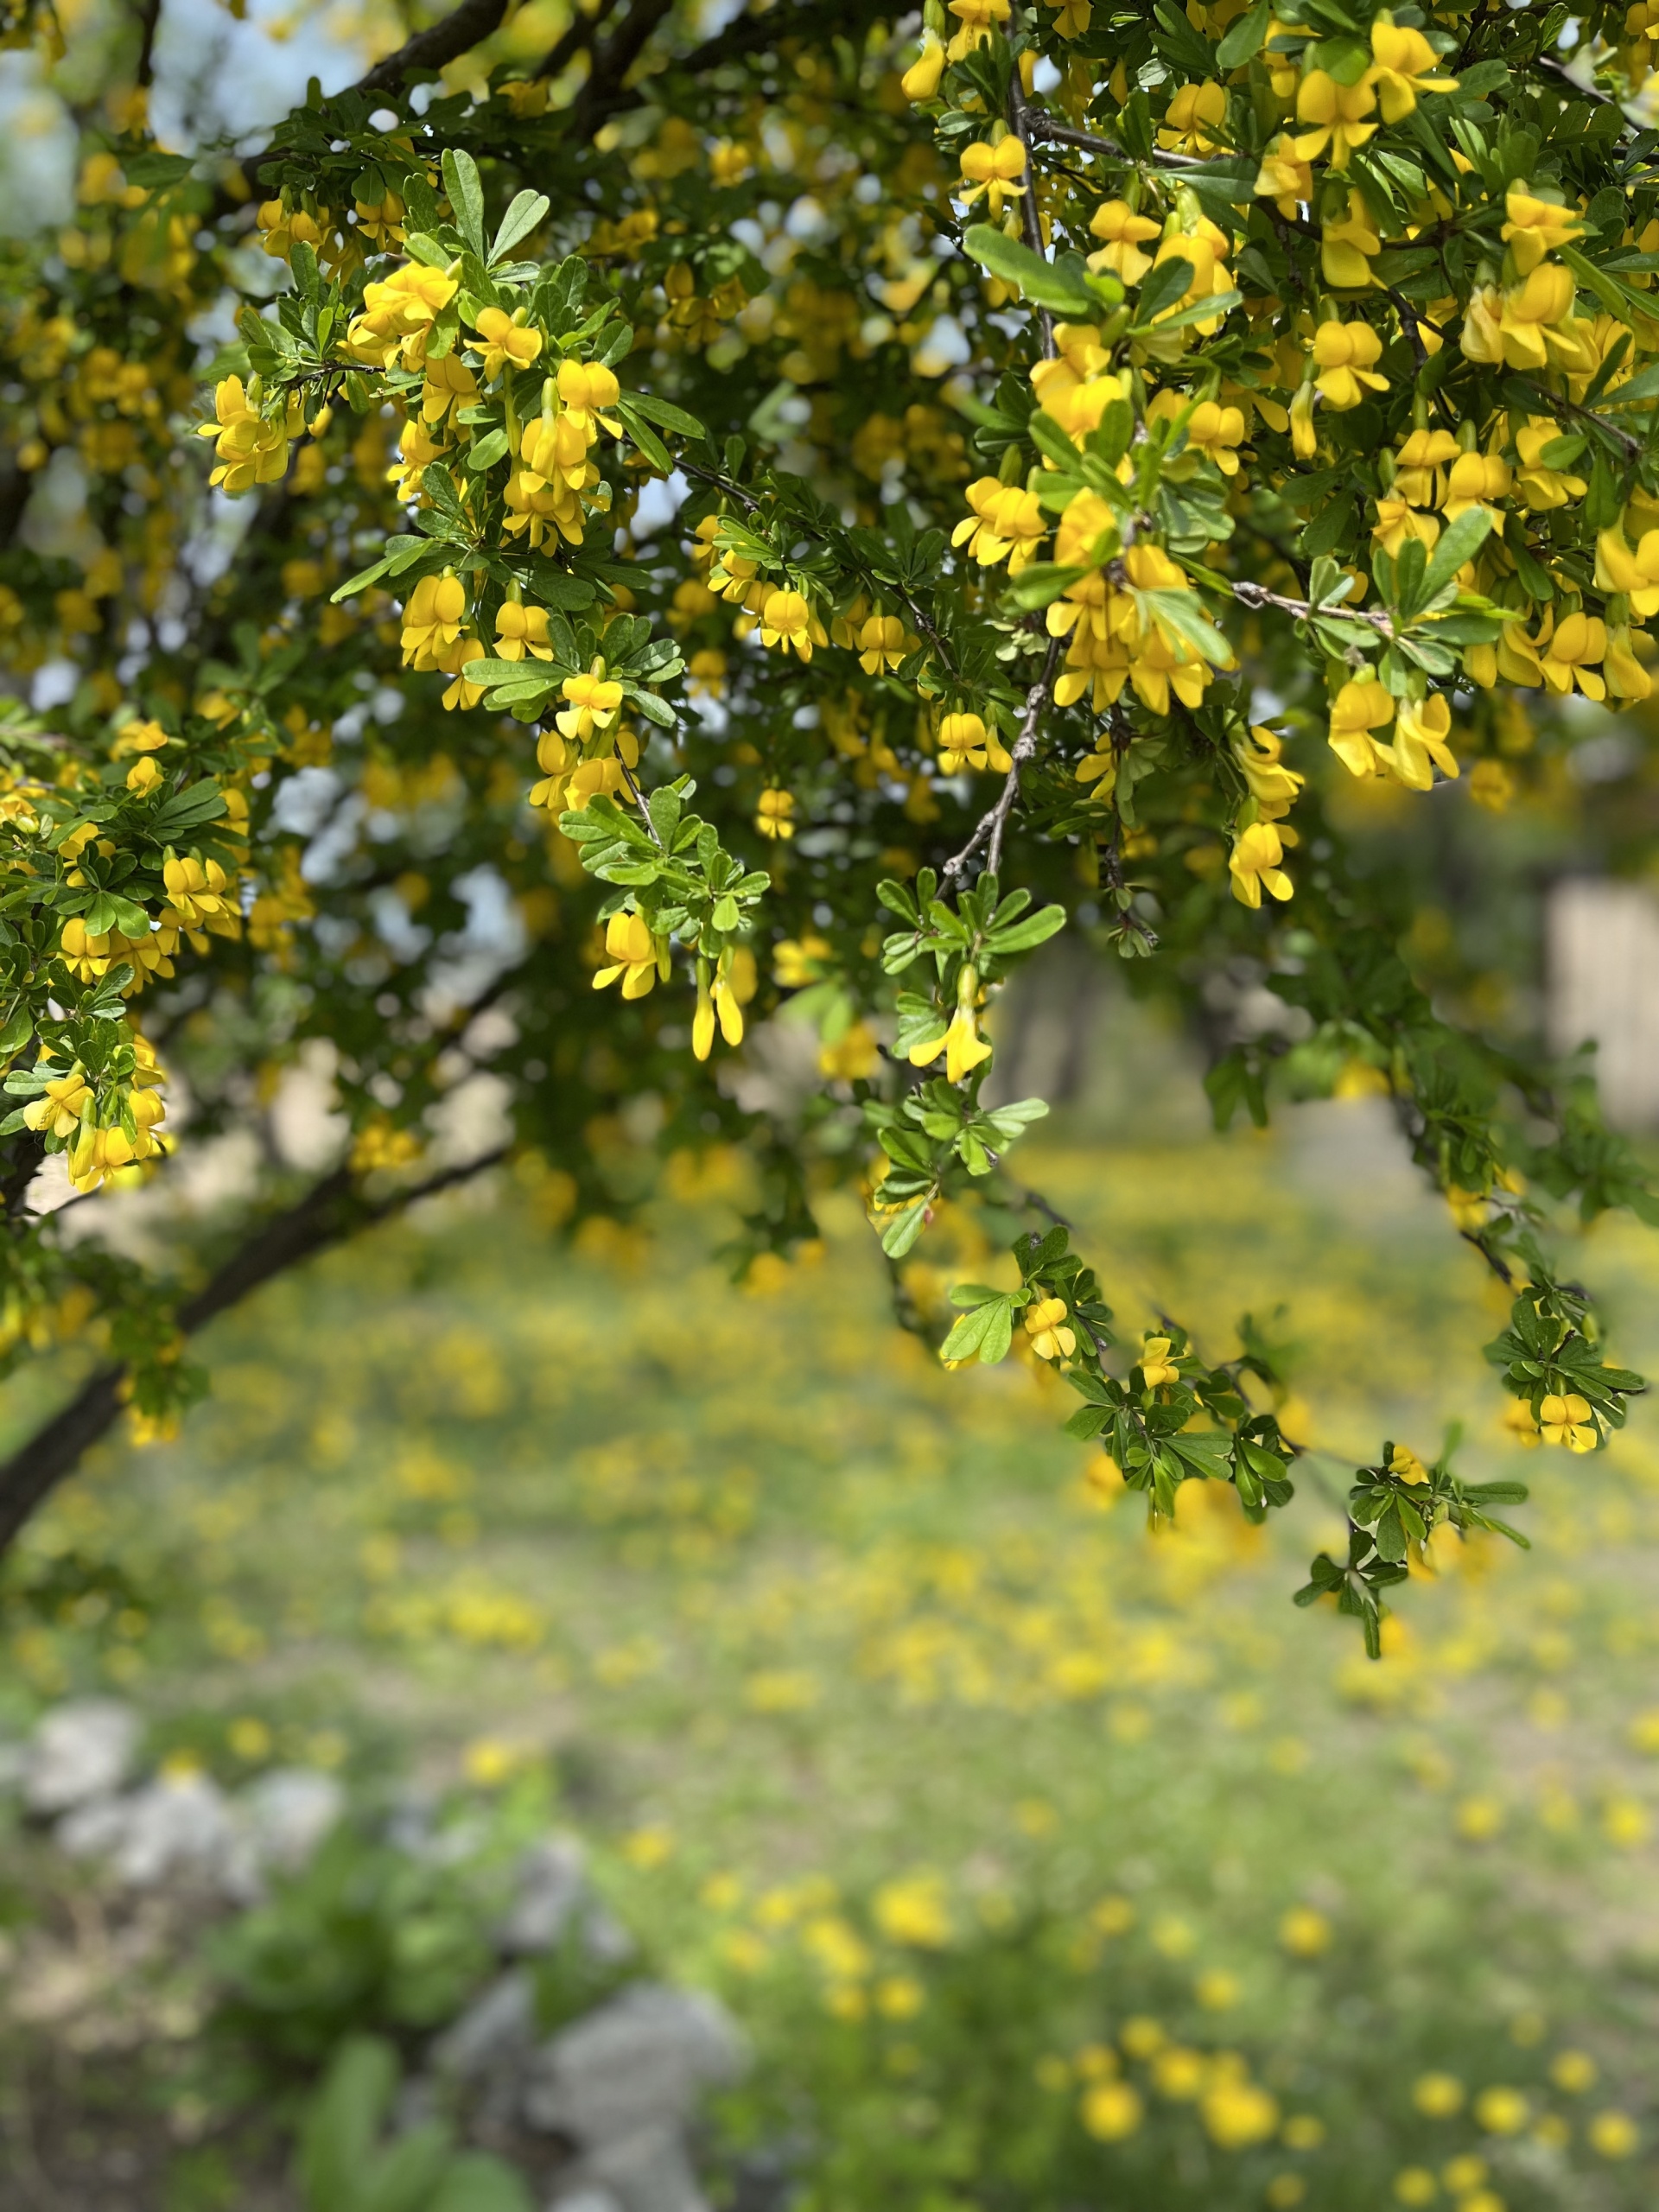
[989, 172]
[507, 338]
[1046, 1326]
[637, 956]
[1568, 1420]
[1157, 1368]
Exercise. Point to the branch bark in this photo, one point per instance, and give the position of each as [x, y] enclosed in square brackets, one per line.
[331, 1210]
[431, 48]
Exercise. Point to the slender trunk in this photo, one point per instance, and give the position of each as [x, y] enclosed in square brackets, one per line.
[329, 1212]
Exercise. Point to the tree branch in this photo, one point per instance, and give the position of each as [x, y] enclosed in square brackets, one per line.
[612, 62]
[331, 1210]
[579, 33]
[994, 824]
[431, 48]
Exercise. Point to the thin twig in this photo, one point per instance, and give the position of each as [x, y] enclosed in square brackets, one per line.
[640, 800]
[995, 823]
[1021, 118]
[1091, 141]
[1256, 597]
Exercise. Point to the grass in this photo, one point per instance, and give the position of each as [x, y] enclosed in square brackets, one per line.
[804, 1629]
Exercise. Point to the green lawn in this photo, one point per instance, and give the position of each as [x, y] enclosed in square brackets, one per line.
[938, 1765]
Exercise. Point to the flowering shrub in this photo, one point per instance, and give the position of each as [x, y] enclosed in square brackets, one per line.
[615, 539]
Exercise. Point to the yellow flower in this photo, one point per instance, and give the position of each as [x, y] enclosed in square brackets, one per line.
[594, 699]
[1336, 113]
[1540, 489]
[143, 776]
[1536, 227]
[1345, 247]
[773, 810]
[1420, 742]
[1010, 525]
[1614, 2135]
[1343, 358]
[1111, 2110]
[1568, 1421]
[1491, 785]
[1284, 178]
[1626, 677]
[1635, 573]
[883, 643]
[432, 618]
[989, 172]
[1123, 231]
[1273, 786]
[964, 742]
[1255, 865]
[586, 387]
[1404, 1463]
[507, 337]
[250, 450]
[1502, 2111]
[57, 1109]
[449, 384]
[1238, 2113]
[519, 630]
[1193, 118]
[1438, 2095]
[1578, 641]
[717, 1000]
[1476, 480]
[913, 1910]
[1215, 432]
[1157, 1368]
[1046, 1326]
[921, 80]
[787, 621]
[1303, 1932]
[1404, 60]
[637, 957]
[1356, 710]
[964, 1048]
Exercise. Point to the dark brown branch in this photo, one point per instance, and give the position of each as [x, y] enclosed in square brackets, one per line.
[580, 33]
[150, 18]
[442, 42]
[330, 1211]
[612, 62]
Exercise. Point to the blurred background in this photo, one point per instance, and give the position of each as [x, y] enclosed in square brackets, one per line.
[534, 1629]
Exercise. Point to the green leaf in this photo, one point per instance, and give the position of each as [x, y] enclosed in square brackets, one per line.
[1032, 276]
[664, 412]
[1218, 304]
[1461, 541]
[1245, 37]
[1027, 935]
[984, 1334]
[903, 1229]
[485, 452]
[1041, 581]
[520, 220]
[1164, 285]
[475, 2181]
[460, 182]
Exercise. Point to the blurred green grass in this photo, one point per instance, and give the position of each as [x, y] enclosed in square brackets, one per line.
[783, 1604]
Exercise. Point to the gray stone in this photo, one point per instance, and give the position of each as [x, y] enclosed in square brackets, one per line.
[586, 2197]
[176, 1825]
[641, 2061]
[497, 2031]
[549, 1883]
[647, 2171]
[82, 1750]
